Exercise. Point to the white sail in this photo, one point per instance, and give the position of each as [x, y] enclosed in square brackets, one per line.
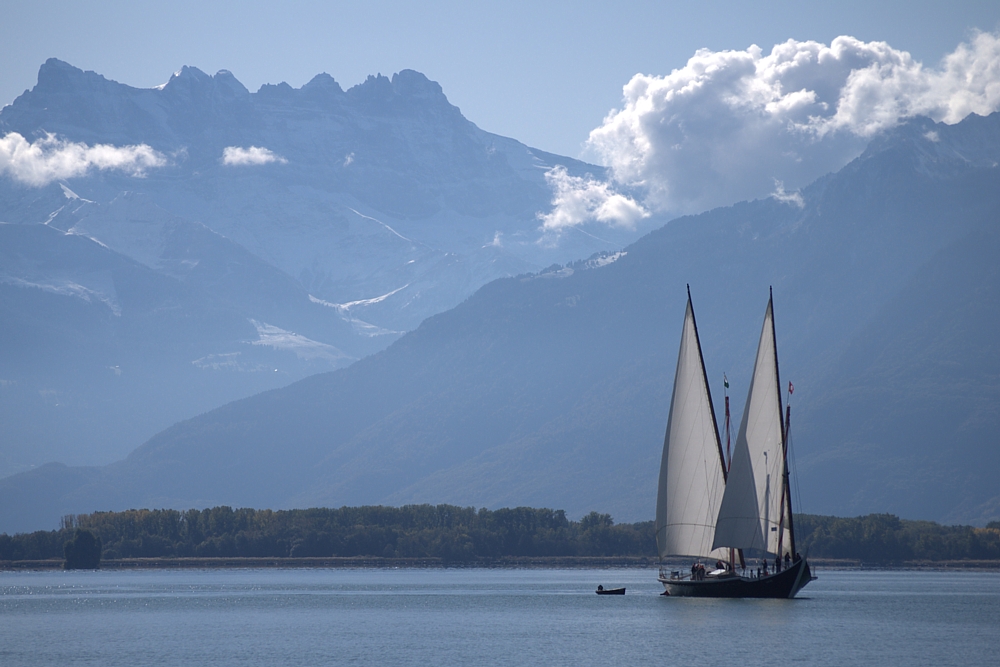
[692, 479]
[752, 506]
[786, 534]
[738, 523]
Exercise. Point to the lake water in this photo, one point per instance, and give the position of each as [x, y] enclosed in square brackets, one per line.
[442, 617]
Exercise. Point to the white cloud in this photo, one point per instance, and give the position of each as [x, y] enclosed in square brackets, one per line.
[50, 159]
[497, 241]
[794, 198]
[728, 125]
[577, 200]
[255, 155]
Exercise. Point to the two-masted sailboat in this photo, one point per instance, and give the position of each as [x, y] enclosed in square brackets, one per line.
[735, 515]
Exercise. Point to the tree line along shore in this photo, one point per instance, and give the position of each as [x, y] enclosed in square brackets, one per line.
[454, 535]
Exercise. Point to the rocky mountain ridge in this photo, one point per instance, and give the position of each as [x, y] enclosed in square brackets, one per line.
[324, 222]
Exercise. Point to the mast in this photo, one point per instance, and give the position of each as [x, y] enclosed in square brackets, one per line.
[729, 462]
[788, 489]
[786, 505]
[729, 454]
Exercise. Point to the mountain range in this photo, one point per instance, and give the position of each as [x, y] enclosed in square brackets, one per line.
[550, 388]
[133, 300]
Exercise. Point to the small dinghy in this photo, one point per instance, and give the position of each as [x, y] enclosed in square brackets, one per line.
[601, 590]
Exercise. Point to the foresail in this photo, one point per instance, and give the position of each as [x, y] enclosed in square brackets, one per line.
[692, 477]
[753, 504]
[738, 523]
[786, 534]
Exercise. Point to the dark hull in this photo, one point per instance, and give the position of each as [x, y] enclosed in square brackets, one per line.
[784, 584]
[612, 591]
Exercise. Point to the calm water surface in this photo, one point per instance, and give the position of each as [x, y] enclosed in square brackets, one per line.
[487, 617]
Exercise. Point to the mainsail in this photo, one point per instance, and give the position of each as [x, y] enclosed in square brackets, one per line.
[753, 514]
[692, 473]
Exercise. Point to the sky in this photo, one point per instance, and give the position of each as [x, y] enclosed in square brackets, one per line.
[545, 73]
[690, 105]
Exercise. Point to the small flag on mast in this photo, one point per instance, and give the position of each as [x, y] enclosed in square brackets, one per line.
[791, 388]
[725, 380]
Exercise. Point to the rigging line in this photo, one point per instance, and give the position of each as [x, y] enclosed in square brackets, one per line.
[793, 472]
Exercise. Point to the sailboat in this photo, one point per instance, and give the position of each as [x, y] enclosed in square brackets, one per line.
[714, 510]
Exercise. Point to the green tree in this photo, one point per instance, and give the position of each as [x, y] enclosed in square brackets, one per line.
[83, 552]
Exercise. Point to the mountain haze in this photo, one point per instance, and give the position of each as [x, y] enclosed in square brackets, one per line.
[264, 236]
[551, 388]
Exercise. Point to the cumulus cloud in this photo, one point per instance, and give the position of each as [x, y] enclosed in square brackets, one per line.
[255, 155]
[728, 125]
[50, 159]
[579, 199]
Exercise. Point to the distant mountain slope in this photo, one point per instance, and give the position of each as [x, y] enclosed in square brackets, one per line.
[551, 389]
[98, 349]
[381, 205]
[911, 412]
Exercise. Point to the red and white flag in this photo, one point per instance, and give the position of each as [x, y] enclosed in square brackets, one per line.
[791, 388]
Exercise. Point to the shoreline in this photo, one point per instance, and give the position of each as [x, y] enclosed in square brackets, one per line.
[514, 562]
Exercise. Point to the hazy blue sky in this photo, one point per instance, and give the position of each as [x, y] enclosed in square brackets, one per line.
[544, 73]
